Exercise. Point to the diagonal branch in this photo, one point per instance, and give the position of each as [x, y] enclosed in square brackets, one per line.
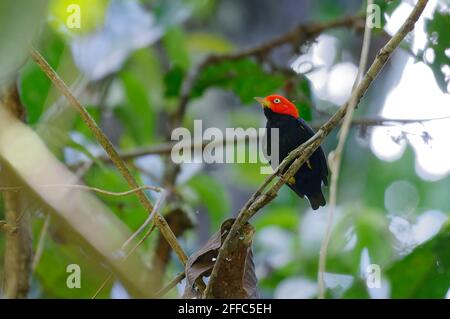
[304, 151]
[166, 148]
[297, 37]
[335, 157]
[159, 221]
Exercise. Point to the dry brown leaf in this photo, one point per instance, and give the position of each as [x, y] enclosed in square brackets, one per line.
[237, 277]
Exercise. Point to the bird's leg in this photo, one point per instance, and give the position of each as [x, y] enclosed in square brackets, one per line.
[291, 181]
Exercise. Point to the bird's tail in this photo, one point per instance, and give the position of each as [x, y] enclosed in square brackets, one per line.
[317, 200]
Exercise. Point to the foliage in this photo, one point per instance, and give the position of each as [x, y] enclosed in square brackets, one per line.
[439, 44]
[133, 106]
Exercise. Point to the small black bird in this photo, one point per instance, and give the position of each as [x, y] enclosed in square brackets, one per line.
[293, 131]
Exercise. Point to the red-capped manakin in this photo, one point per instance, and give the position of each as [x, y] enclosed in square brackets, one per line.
[293, 131]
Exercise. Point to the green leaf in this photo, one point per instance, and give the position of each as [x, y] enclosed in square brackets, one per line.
[357, 291]
[52, 272]
[425, 273]
[146, 66]
[369, 228]
[372, 231]
[125, 207]
[439, 41]
[137, 115]
[207, 43]
[213, 195]
[35, 85]
[82, 149]
[175, 45]
[173, 81]
[387, 8]
[80, 125]
[19, 24]
[286, 217]
[248, 174]
[244, 77]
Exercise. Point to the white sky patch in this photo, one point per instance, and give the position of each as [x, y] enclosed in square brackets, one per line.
[324, 52]
[340, 82]
[383, 292]
[401, 197]
[383, 146]
[338, 281]
[416, 96]
[119, 292]
[428, 224]
[401, 228]
[351, 239]
[296, 288]
[275, 240]
[364, 262]
[312, 228]
[318, 79]
[321, 56]
[409, 235]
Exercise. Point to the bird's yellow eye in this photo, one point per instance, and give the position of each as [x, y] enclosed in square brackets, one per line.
[276, 101]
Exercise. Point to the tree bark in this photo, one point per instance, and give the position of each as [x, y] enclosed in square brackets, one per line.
[18, 250]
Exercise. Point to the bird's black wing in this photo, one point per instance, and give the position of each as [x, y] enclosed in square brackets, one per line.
[319, 152]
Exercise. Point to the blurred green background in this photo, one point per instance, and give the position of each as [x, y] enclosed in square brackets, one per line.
[127, 63]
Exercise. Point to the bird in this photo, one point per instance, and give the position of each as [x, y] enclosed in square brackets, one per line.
[293, 131]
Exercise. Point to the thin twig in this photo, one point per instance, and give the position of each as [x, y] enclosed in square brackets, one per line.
[170, 285]
[335, 157]
[160, 222]
[297, 37]
[4, 226]
[304, 151]
[102, 191]
[158, 204]
[88, 188]
[110, 275]
[41, 243]
[166, 148]
[103, 285]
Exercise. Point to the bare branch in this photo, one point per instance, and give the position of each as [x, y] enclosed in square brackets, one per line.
[4, 226]
[158, 204]
[88, 188]
[166, 148]
[18, 248]
[304, 151]
[335, 157]
[132, 250]
[159, 221]
[296, 37]
[170, 285]
[41, 242]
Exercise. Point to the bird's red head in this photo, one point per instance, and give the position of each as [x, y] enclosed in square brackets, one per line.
[279, 104]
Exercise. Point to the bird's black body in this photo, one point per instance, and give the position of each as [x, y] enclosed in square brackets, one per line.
[292, 133]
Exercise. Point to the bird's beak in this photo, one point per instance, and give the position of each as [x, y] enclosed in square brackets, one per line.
[262, 101]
